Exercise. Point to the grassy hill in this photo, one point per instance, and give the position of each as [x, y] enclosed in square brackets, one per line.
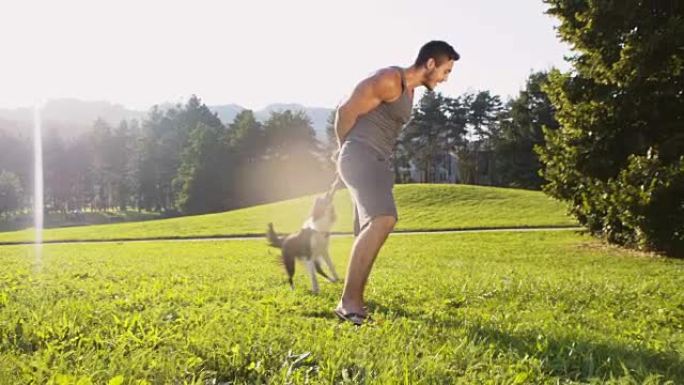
[421, 207]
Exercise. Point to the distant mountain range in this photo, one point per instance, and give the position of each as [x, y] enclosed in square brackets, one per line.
[72, 117]
[318, 115]
[65, 117]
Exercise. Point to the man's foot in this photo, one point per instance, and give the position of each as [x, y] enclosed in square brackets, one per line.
[355, 318]
[352, 308]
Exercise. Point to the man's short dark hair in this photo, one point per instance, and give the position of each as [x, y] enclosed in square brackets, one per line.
[441, 51]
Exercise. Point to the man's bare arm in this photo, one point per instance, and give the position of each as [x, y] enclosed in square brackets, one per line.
[382, 87]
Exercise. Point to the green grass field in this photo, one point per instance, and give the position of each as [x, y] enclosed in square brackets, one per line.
[421, 207]
[490, 308]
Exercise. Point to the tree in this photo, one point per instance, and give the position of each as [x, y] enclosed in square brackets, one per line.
[293, 162]
[202, 174]
[457, 110]
[618, 156]
[76, 173]
[247, 143]
[147, 162]
[424, 138]
[483, 115]
[180, 122]
[457, 113]
[106, 155]
[121, 165]
[10, 193]
[159, 149]
[516, 162]
[288, 133]
[16, 156]
[57, 186]
[247, 138]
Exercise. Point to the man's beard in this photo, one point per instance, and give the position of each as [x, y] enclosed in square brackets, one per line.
[427, 83]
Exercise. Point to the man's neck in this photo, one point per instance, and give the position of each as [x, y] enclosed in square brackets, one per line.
[414, 77]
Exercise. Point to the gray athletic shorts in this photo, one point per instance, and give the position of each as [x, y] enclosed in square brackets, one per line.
[370, 179]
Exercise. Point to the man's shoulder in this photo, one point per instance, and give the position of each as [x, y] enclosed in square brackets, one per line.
[388, 79]
[388, 75]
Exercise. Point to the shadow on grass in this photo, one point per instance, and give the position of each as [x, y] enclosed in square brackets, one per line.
[580, 359]
[576, 359]
[323, 314]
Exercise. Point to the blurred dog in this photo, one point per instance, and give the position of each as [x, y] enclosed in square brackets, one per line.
[310, 244]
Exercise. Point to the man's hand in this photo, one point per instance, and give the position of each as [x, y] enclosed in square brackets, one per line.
[335, 155]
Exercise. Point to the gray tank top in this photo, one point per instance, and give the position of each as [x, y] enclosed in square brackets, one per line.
[380, 127]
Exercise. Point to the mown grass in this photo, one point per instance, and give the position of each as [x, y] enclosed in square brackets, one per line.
[421, 207]
[490, 308]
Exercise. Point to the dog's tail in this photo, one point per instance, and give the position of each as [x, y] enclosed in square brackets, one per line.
[272, 237]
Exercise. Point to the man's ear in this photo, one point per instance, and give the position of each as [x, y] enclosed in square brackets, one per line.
[430, 64]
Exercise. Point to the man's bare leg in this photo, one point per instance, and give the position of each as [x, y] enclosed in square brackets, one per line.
[366, 247]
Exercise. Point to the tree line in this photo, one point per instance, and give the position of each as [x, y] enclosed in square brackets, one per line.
[476, 138]
[184, 160]
[181, 160]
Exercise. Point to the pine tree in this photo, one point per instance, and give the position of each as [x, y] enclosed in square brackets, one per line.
[618, 157]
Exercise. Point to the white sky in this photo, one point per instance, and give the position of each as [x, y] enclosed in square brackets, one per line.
[255, 52]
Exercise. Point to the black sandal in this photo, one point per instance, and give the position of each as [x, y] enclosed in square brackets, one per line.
[355, 318]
